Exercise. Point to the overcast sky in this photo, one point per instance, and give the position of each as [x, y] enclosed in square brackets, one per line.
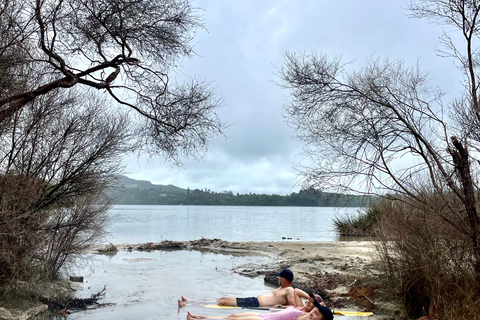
[239, 52]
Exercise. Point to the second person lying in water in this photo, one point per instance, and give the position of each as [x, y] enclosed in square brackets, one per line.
[312, 310]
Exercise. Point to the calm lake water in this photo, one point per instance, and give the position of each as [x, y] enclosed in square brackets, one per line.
[147, 285]
[138, 224]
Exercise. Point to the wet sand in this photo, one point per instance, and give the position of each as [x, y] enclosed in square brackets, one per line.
[303, 258]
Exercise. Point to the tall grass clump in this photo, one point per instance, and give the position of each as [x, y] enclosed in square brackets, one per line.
[363, 224]
[426, 262]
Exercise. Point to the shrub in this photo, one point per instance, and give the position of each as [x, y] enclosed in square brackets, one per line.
[57, 158]
[426, 262]
[363, 224]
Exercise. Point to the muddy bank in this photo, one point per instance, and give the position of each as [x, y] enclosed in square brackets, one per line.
[305, 259]
[34, 301]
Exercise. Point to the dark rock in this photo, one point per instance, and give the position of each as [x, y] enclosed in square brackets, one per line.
[76, 278]
[170, 245]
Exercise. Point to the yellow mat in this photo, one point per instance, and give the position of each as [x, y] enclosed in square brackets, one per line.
[353, 313]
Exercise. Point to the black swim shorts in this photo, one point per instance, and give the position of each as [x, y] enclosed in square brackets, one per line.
[250, 302]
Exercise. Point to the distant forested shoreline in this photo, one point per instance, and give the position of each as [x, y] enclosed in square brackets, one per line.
[139, 192]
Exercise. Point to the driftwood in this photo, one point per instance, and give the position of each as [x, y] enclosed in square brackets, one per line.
[79, 304]
[176, 245]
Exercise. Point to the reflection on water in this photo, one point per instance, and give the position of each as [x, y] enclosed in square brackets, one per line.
[147, 285]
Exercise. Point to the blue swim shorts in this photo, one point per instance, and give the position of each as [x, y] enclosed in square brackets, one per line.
[250, 302]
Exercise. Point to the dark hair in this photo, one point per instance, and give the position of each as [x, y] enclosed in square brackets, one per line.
[325, 311]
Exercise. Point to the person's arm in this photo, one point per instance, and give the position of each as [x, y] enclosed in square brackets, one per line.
[291, 298]
[300, 293]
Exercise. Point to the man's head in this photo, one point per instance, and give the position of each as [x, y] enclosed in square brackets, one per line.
[286, 274]
[321, 312]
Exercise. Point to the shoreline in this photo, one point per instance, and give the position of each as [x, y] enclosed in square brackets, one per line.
[304, 258]
[334, 269]
[330, 256]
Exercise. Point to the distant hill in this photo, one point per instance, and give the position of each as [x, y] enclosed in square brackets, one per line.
[131, 191]
[143, 184]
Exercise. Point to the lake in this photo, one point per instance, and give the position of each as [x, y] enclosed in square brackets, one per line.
[147, 285]
[138, 224]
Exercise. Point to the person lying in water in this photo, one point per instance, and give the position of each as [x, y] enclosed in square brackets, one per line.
[284, 295]
[317, 312]
[299, 294]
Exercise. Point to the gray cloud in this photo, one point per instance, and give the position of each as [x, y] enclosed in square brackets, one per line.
[239, 52]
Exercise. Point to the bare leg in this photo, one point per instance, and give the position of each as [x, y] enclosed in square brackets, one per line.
[184, 301]
[181, 303]
[197, 316]
[238, 316]
[245, 316]
[227, 301]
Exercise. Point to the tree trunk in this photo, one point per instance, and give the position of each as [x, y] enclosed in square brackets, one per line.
[462, 166]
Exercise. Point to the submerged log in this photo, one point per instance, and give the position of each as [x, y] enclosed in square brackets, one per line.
[80, 304]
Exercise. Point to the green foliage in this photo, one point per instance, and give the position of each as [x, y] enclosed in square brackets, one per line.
[25, 295]
[362, 224]
[170, 195]
[19, 298]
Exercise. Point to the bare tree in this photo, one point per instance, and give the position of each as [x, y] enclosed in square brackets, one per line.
[123, 48]
[383, 129]
[70, 230]
[57, 158]
[82, 83]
